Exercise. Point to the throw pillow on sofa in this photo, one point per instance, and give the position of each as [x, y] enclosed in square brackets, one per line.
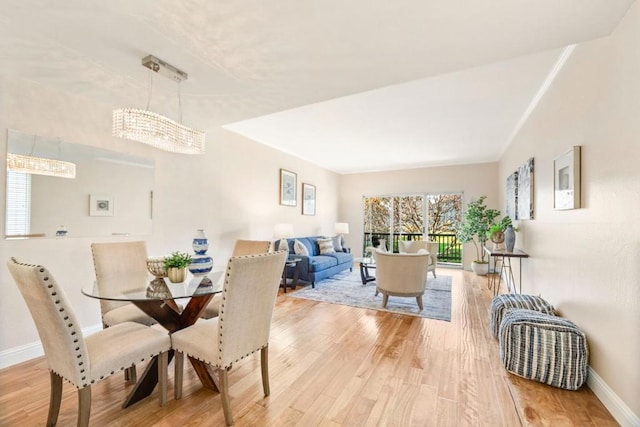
[337, 243]
[299, 248]
[326, 246]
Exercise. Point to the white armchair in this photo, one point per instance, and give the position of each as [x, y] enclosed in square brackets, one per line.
[415, 246]
[403, 275]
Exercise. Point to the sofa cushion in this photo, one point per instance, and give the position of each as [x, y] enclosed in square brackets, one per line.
[300, 249]
[322, 262]
[326, 246]
[341, 257]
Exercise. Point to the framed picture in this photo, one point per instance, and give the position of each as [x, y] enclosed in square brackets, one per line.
[524, 202]
[566, 180]
[308, 199]
[288, 184]
[100, 205]
[512, 195]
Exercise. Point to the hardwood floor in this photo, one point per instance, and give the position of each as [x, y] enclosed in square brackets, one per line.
[333, 365]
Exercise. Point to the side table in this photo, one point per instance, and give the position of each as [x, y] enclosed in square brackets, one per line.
[291, 263]
[504, 258]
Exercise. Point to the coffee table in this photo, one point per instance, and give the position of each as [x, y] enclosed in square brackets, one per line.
[366, 263]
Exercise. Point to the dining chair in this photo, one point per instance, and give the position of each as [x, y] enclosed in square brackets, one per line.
[118, 259]
[241, 247]
[414, 246]
[70, 356]
[403, 275]
[242, 328]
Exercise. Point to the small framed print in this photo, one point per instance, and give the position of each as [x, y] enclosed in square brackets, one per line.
[288, 184]
[308, 199]
[566, 180]
[100, 205]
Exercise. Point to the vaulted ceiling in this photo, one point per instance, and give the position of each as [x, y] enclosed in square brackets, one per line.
[352, 86]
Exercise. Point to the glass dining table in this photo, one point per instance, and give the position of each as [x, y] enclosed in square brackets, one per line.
[162, 300]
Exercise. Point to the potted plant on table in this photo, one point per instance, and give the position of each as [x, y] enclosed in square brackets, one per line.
[496, 232]
[474, 227]
[176, 266]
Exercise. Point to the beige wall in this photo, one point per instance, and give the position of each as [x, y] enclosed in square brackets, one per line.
[471, 180]
[231, 192]
[586, 261]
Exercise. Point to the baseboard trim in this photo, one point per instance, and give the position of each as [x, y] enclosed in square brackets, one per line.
[22, 353]
[620, 411]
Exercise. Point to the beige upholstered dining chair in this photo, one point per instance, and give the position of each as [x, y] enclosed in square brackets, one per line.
[241, 247]
[115, 259]
[119, 259]
[248, 298]
[414, 246]
[83, 361]
[402, 275]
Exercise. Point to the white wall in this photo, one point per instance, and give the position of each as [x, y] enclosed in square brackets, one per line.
[471, 180]
[586, 262]
[231, 192]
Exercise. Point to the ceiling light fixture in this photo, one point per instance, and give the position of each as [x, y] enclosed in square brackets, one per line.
[40, 166]
[154, 129]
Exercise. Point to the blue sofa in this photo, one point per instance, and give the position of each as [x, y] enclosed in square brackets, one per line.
[316, 267]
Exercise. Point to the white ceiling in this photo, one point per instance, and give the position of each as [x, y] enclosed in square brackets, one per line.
[352, 86]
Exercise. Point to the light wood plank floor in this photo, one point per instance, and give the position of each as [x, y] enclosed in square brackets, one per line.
[333, 365]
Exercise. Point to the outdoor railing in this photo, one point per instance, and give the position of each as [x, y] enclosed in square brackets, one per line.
[449, 248]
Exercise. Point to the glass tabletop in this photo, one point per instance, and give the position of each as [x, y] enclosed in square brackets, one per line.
[144, 287]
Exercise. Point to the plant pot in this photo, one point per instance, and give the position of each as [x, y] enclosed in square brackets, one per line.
[176, 275]
[480, 268]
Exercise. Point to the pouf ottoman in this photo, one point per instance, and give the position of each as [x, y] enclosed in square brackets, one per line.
[500, 303]
[544, 348]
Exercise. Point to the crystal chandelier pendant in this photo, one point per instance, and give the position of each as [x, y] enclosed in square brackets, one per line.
[40, 166]
[156, 130]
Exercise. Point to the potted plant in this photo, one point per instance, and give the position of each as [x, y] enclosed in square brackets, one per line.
[496, 231]
[473, 228]
[176, 266]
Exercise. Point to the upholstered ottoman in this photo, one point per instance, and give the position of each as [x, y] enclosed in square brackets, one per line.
[500, 303]
[544, 348]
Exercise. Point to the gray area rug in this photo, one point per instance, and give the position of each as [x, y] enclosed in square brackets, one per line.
[346, 288]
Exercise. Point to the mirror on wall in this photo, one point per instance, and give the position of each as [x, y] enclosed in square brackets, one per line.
[111, 193]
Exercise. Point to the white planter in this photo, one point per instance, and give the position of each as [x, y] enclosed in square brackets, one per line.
[479, 268]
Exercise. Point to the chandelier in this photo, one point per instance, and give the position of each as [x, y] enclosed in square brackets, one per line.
[40, 166]
[155, 129]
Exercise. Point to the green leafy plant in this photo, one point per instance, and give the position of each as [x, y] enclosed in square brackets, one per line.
[177, 260]
[500, 226]
[475, 224]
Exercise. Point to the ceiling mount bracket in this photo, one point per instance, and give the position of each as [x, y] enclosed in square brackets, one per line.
[161, 67]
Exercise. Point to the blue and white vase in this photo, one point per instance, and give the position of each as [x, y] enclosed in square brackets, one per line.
[201, 263]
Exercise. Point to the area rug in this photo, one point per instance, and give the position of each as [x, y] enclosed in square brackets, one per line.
[346, 288]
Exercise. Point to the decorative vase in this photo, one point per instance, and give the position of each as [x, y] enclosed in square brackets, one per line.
[201, 263]
[510, 238]
[176, 275]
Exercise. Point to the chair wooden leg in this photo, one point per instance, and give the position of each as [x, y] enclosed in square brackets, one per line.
[84, 406]
[177, 377]
[55, 399]
[419, 301]
[163, 366]
[130, 375]
[264, 362]
[224, 395]
[385, 299]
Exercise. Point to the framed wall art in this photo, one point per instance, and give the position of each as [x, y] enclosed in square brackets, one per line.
[525, 191]
[100, 205]
[288, 185]
[512, 195]
[566, 180]
[308, 199]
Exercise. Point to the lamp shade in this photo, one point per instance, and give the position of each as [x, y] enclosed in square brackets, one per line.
[283, 231]
[342, 228]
